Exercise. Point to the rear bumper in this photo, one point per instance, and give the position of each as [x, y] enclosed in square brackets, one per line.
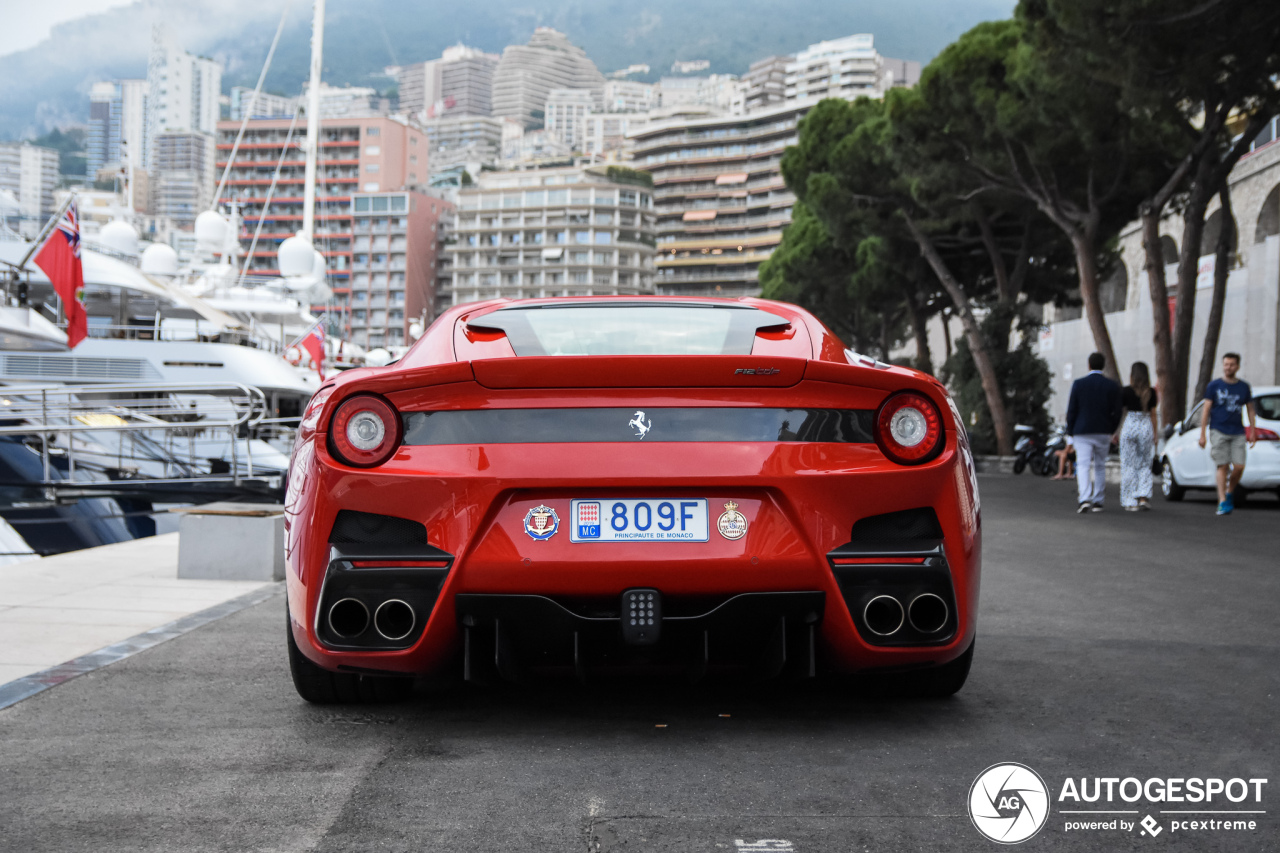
[801, 502]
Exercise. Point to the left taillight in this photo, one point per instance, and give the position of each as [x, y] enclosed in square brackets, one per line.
[364, 431]
[909, 428]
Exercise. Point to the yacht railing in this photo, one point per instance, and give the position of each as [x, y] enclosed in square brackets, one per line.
[153, 418]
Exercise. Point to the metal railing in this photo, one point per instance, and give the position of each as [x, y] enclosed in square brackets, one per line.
[154, 416]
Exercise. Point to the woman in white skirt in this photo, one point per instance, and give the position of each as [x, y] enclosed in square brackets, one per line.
[1137, 439]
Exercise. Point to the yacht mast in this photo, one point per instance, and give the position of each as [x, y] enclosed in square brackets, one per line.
[313, 122]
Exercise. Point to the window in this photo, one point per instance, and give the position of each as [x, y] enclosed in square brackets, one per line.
[624, 259]
[362, 205]
[372, 188]
[371, 131]
[626, 197]
[413, 158]
[579, 277]
[372, 168]
[582, 237]
[604, 258]
[557, 196]
[372, 151]
[562, 236]
[605, 197]
[604, 218]
[413, 140]
[580, 257]
[398, 203]
[603, 238]
[581, 197]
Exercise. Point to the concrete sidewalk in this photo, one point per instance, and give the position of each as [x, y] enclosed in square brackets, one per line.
[63, 607]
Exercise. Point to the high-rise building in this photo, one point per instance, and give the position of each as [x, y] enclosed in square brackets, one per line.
[629, 96]
[764, 84]
[715, 90]
[182, 91]
[393, 265]
[266, 105]
[466, 139]
[527, 73]
[719, 196]
[357, 155]
[183, 176]
[30, 173]
[117, 124]
[846, 68]
[564, 231]
[459, 83]
[606, 133]
[566, 115]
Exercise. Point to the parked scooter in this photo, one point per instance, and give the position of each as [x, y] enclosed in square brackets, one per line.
[1049, 455]
[1026, 449]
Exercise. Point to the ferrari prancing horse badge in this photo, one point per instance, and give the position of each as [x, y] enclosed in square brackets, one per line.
[732, 524]
[542, 522]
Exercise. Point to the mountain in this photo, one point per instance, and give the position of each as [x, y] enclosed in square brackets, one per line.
[47, 86]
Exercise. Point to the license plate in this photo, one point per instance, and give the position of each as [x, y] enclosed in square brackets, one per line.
[643, 520]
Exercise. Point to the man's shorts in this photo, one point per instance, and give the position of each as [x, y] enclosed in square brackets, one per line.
[1226, 449]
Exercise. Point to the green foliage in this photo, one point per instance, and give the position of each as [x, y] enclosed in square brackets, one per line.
[1024, 378]
[70, 147]
[627, 175]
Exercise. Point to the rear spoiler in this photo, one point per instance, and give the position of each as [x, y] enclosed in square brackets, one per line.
[642, 371]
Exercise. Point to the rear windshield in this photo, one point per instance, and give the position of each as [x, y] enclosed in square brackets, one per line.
[1268, 407]
[623, 329]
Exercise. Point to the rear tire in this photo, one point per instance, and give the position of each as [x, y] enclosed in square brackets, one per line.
[1019, 465]
[319, 686]
[1169, 484]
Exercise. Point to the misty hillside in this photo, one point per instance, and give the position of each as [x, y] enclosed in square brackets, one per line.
[47, 86]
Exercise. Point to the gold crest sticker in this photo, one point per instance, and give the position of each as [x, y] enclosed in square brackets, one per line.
[732, 524]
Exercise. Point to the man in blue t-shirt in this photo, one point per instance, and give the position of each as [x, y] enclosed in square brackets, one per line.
[1224, 401]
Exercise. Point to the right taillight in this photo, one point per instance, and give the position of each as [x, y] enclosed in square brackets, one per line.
[1263, 434]
[909, 428]
[365, 431]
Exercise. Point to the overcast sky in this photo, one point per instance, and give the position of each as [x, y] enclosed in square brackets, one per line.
[27, 23]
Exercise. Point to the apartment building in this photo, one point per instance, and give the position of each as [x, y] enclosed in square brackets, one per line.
[605, 134]
[265, 106]
[30, 173]
[566, 231]
[719, 197]
[764, 85]
[183, 176]
[629, 96]
[395, 237]
[566, 115]
[357, 155]
[182, 91]
[527, 73]
[846, 68]
[117, 124]
[459, 83]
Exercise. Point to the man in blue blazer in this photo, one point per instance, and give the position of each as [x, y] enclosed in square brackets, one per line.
[1093, 413]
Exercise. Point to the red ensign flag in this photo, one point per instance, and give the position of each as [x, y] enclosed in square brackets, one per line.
[313, 343]
[59, 257]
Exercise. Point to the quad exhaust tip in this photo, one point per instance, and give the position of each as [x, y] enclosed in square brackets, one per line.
[348, 618]
[927, 613]
[394, 619]
[883, 615]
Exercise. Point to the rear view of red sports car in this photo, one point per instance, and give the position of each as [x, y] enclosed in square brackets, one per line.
[581, 486]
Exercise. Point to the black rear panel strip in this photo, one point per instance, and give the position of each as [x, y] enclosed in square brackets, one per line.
[544, 426]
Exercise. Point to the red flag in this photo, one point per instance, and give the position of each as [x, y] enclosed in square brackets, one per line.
[313, 343]
[59, 257]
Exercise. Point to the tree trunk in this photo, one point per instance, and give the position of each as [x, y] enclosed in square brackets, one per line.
[1083, 243]
[1221, 269]
[920, 330]
[1184, 312]
[1159, 309]
[998, 266]
[977, 341]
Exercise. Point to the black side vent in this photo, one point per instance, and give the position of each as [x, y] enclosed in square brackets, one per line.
[906, 526]
[367, 528]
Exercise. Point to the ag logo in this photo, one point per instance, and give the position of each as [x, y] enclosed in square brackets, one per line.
[1008, 803]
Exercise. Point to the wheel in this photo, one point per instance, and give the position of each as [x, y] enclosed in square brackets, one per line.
[1019, 465]
[1169, 484]
[938, 682]
[1037, 465]
[319, 686]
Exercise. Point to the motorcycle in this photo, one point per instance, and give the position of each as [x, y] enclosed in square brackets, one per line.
[1026, 450]
[1049, 455]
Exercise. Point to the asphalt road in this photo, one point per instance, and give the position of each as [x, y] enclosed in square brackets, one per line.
[1110, 645]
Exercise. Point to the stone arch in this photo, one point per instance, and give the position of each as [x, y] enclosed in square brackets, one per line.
[1169, 249]
[1113, 291]
[1268, 224]
[1212, 228]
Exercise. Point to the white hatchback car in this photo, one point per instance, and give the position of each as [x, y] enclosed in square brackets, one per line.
[1187, 465]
